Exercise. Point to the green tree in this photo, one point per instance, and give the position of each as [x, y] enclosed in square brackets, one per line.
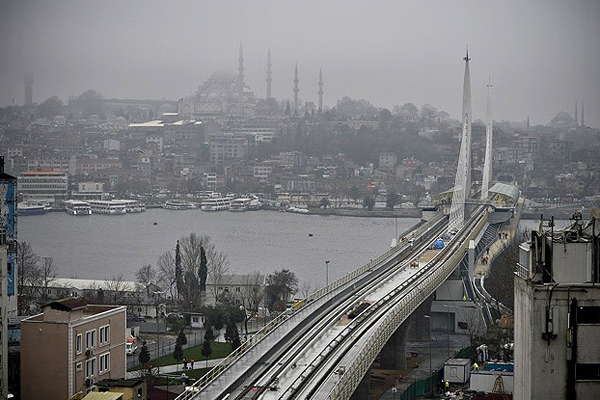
[144, 355]
[203, 272]
[325, 203]
[369, 203]
[51, 107]
[235, 342]
[206, 350]
[230, 331]
[208, 334]
[181, 338]
[178, 353]
[280, 285]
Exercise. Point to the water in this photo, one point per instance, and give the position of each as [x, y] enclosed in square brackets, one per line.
[103, 246]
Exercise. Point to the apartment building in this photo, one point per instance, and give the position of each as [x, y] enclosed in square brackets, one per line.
[70, 346]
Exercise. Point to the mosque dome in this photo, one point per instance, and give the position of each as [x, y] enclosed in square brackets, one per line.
[562, 119]
[213, 97]
[59, 120]
[223, 74]
[121, 120]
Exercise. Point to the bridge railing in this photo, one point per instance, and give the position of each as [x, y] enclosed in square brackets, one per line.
[324, 291]
[359, 366]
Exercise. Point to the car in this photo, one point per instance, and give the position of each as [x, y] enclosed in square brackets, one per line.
[411, 241]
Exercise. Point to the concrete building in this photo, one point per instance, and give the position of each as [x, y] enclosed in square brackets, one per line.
[70, 346]
[50, 186]
[557, 313]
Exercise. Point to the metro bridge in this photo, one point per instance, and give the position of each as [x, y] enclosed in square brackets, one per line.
[325, 347]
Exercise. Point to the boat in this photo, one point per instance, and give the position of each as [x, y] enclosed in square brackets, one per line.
[216, 204]
[254, 205]
[109, 207]
[133, 206]
[78, 207]
[175, 204]
[240, 204]
[298, 210]
[25, 208]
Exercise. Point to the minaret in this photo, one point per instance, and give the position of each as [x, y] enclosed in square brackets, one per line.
[320, 92]
[462, 184]
[28, 89]
[296, 90]
[241, 82]
[576, 117]
[269, 78]
[528, 125]
[582, 116]
[487, 165]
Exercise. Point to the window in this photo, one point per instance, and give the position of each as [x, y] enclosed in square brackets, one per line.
[104, 335]
[78, 343]
[588, 315]
[104, 363]
[90, 339]
[78, 367]
[90, 368]
[587, 372]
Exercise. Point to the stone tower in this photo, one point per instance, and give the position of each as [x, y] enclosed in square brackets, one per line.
[320, 92]
[241, 82]
[296, 89]
[269, 78]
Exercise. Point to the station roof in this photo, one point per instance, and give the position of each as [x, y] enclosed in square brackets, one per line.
[506, 190]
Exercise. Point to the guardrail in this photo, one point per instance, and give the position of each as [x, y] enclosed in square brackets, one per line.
[310, 300]
[359, 366]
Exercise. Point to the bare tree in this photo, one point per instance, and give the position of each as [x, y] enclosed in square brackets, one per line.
[218, 267]
[27, 265]
[251, 296]
[305, 289]
[114, 289]
[46, 275]
[146, 276]
[166, 273]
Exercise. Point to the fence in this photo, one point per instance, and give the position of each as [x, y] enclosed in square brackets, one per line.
[419, 388]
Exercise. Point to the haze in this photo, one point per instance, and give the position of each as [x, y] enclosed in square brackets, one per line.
[541, 55]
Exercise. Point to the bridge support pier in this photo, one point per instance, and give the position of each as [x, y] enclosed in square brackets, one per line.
[393, 354]
[419, 325]
[362, 391]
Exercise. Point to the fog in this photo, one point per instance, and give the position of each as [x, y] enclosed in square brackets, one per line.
[541, 55]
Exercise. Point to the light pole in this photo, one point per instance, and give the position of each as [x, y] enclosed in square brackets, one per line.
[447, 330]
[430, 339]
[327, 273]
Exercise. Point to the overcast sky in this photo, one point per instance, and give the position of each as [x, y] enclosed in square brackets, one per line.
[541, 55]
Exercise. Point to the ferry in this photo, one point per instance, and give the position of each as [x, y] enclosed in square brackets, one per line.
[254, 205]
[240, 204]
[31, 208]
[133, 206]
[78, 207]
[109, 207]
[216, 204]
[175, 204]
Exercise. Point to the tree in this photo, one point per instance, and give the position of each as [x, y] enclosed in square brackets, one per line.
[392, 200]
[324, 202]
[181, 338]
[178, 353]
[115, 289]
[235, 342]
[280, 285]
[229, 331]
[51, 107]
[166, 273]
[305, 289]
[428, 113]
[206, 350]
[27, 265]
[203, 271]
[47, 274]
[252, 296]
[208, 334]
[369, 203]
[144, 355]
[146, 276]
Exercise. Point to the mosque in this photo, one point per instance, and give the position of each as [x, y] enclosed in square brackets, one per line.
[224, 94]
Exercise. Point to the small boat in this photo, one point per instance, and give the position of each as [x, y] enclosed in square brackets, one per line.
[175, 204]
[254, 205]
[25, 208]
[78, 207]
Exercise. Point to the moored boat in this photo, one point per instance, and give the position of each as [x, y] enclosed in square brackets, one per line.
[78, 207]
[25, 208]
[175, 204]
[216, 204]
[240, 204]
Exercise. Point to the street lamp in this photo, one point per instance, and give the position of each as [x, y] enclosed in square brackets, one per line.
[327, 276]
[430, 339]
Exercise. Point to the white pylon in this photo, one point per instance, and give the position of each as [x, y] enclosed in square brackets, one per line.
[487, 165]
[462, 183]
